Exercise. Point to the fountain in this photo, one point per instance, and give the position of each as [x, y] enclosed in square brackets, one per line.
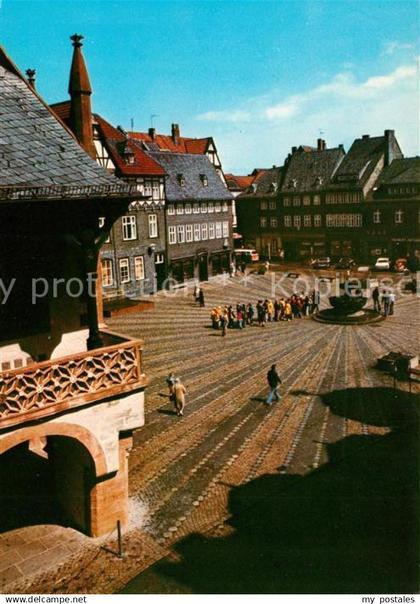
[348, 307]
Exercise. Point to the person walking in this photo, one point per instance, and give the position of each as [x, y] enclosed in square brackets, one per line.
[274, 382]
[170, 381]
[375, 298]
[179, 397]
[391, 303]
[201, 297]
[223, 322]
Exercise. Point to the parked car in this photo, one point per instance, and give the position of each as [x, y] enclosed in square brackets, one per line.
[247, 255]
[383, 264]
[345, 263]
[324, 262]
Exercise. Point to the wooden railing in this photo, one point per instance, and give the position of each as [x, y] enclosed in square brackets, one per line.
[50, 387]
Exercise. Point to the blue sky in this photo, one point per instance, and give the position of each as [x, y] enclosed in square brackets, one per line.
[259, 76]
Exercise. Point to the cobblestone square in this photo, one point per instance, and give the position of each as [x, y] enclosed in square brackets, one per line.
[315, 494]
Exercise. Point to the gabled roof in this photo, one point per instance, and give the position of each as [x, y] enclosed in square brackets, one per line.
[238, 183]
[265, 183]
[401, 171]
[36, 150]
[191, 169]
[117, 144]
[310, 169]
[362, 158]
[164, 142]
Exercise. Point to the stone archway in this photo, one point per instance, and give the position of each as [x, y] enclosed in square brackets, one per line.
[47, 481]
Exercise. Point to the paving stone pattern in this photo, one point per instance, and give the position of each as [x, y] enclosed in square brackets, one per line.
[183, 470]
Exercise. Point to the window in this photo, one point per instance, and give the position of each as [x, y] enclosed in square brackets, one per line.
[181, 180]
[101, 225]
[225, 227]
[377, 217]
[317, 200]
[203, 207]
[148, 188]
[179, 208]
[188, 208]
[196, 208]
[204, 180]
[317, 220]
[204, 232]
[153, 226]
[296, 200]
[159, 258]
[217, 207]
[156, 190]
[107, 273]
[297, 221]
[343, 220]
[287, 221]
[189, 233]
[172, 235]
[273, 222]
[210, 207]
[263, 205]
[306, 200]
[124, 270]
[307, 221]
[138, 268]
[286, 201]
[399, 217]
[171, 209]
[197, 232]
[211, 230]
[129, 228]
[263, 222]
[272, 205]
[181, 233]
[218, 230]
[225, 207]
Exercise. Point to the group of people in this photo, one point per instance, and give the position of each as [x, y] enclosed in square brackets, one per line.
[383, 302]
[265, 311]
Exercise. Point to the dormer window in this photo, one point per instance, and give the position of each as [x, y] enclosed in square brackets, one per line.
[273, 187]
[253, 188]
[204, 180]
[181, 180]
[292, 183]
[128, 155]
[318, 181]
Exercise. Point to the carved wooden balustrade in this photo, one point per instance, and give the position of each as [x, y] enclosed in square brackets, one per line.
[50, 387]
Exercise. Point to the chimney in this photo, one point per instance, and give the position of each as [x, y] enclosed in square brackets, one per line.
[319, 144]
[31, 73]
[294, 149]
[389, 146]
[80, 91]
[365, 136]
[341, 146]
[152, 133]
[175, 133]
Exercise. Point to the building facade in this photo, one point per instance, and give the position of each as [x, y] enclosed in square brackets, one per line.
[71, 393]
[198, 217]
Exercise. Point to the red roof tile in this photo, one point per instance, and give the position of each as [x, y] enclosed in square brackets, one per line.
[196, 146]
[143, 164]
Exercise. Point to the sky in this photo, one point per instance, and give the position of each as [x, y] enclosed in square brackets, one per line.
[259, 76]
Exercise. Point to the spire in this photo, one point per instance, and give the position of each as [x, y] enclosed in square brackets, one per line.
[80, 91]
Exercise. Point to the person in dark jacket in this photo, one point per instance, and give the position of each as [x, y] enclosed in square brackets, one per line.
[201, 297]
[274, 382]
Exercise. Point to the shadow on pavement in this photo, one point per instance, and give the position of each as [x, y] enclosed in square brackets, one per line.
[349, 526]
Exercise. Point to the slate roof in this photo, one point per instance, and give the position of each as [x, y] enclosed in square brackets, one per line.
[37, 151]
[361, 159]
[401, 171]
[117, 143]
[191, 167]
[165, 142]
[310, 169]
[265, 183]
